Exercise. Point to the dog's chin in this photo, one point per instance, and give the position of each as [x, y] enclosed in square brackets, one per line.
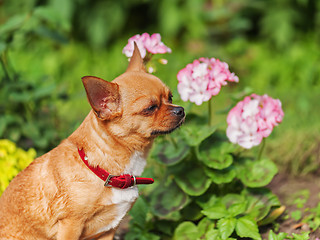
[155, 133]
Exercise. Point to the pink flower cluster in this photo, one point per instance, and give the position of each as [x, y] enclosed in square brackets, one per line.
[146, 43]
[202, 79]
[253, 119]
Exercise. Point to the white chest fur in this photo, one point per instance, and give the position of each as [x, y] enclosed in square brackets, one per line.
[123, 198]
[136, 164]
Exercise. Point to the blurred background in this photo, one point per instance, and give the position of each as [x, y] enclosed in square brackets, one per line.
[46, 46]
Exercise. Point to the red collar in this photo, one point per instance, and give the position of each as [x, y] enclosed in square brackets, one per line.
[122, 181]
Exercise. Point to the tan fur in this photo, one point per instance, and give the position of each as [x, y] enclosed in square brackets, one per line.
[57, 196]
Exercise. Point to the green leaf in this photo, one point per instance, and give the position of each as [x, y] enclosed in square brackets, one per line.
[44, 91]
[260, 201]
[195, 135]
[170, 153]
[226, 227]
[165, 226]
[221, 176]
[207, 203]
[3, 125]
[3, 47]
[296, 215]
[139, 212]
[235, 204]
[52, 16]
[216, 212]
[192, 179]
[213, 159]
[140, 234]
[12, 25]
[149, 236]
[51, 34]
[192, 212]
[166, 201]
[303, 236]
[247, 227]
[213, 234]
[20, 96]
[215, 153]
[257, 173]
[280, 236]
[14, 136]
[30, 129]
[186, 231]
[237, 208]
[204, 226]
[232, 198]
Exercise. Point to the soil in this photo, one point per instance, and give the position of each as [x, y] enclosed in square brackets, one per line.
[288, 189]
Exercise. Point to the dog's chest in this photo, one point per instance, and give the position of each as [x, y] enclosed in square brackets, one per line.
[129, 195]
[136, 164]
[122, 199]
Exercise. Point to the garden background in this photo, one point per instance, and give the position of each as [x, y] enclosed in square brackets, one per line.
[273, 47]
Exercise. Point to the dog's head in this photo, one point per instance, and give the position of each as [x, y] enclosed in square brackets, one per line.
[135, 104]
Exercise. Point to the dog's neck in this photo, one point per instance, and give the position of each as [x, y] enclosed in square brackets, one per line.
[114, 154]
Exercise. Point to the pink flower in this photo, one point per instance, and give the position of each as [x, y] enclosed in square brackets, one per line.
[154, 45]
[253, 119]
[146, 43]
[202, 79]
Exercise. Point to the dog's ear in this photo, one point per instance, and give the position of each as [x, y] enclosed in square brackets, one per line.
[103, 97]
[136, 61]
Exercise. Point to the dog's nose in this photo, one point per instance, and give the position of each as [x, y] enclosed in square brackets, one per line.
[178, 111]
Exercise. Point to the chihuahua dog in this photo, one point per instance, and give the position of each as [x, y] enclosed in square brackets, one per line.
[61, 195]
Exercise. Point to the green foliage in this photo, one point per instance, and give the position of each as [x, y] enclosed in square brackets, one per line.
[303, 214]
[207, 179]
[12, 161]
[98, 22]
[312, 218]
[28, 114]
[140, 226]
[257, 173]
[27, 107]
[286, 236]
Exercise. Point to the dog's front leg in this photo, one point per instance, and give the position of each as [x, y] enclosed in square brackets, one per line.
[69, 229]
[108, 235]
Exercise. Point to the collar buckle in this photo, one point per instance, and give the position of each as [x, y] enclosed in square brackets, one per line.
[106, 184]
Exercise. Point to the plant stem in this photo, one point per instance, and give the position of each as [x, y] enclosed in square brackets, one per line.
[261, 148]
[4, 66]
[210, 112]
[147, 58]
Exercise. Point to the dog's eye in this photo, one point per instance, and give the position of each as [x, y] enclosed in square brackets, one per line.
[151, 109]
[170, 98]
